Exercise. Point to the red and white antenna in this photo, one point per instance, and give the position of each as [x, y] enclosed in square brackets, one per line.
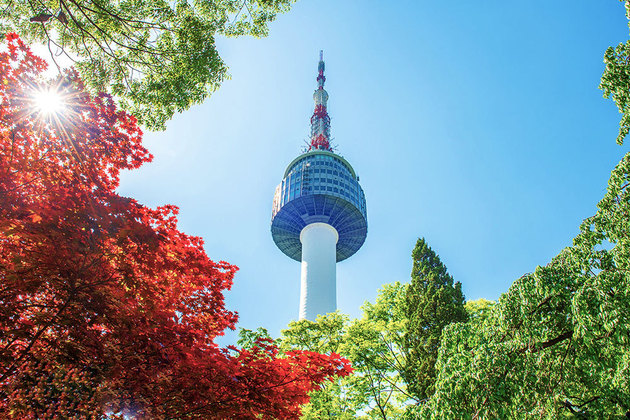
[320, 121]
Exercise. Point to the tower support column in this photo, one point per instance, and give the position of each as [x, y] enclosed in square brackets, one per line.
[318, 294]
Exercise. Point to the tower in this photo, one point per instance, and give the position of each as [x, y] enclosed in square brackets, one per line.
[319, 215]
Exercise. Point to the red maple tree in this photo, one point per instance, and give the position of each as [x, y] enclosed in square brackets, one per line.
[106, 308]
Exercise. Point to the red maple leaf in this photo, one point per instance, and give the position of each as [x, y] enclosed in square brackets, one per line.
[105, 306]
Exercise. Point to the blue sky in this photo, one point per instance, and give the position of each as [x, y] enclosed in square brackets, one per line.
[477, 125]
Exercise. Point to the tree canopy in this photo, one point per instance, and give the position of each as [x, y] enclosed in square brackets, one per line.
[374, 344]
[433, 301]
[557, 343]
[157, 57]
[615, 82]
[106, 308]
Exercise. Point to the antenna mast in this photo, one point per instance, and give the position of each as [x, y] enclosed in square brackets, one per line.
[320, 121]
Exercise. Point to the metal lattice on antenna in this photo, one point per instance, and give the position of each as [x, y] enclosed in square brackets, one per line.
[320, 121]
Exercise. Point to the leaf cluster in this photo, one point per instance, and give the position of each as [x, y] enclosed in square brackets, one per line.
[157, 57]
[106, 308]
[557, 343]
[432, 302]
[615, 82]
[373, 344]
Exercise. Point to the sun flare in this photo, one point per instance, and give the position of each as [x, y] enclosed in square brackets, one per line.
[48, 102]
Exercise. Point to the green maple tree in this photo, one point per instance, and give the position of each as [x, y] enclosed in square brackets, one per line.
[157, 57]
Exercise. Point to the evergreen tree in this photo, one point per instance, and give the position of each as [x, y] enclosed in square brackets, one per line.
[433, 301]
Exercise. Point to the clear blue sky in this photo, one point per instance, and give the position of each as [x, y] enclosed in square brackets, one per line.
[477, 125]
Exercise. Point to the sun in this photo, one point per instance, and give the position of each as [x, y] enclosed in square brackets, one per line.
[48, 102]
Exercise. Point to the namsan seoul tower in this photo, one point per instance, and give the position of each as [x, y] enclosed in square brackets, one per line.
[319, 215]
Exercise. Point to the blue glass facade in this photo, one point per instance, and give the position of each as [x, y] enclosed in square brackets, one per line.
[319, 186]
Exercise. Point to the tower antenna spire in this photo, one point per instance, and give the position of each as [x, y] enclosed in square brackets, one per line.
[320, 121]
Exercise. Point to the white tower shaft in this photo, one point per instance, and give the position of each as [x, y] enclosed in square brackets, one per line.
[318, 295]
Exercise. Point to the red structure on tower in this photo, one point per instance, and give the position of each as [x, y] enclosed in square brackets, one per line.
[320, 121]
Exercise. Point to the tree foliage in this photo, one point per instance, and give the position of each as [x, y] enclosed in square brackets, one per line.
[557, 343]
[106, 308]
[373, 344]
[393, 344]
[159, 57]
[478, 310]
[376, 349]
[615, 82]
[432, 302]
[338, 399]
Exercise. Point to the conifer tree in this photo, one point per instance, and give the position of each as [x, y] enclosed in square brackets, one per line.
[433, 301]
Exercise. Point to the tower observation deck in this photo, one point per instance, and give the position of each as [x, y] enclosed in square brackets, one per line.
[319, 214]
